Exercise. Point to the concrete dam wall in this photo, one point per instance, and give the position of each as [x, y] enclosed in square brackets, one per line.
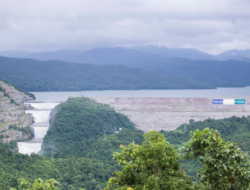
[169, 113]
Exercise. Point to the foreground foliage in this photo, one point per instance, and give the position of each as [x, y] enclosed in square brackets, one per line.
[224, 164]
[39, 184]
[154, 165]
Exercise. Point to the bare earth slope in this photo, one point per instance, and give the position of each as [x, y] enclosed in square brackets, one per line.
[12, 113]
[170, 113]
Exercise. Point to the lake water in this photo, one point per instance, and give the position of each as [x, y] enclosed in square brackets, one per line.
[216, 93]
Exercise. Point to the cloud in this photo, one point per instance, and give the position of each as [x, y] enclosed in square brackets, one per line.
[209, 25]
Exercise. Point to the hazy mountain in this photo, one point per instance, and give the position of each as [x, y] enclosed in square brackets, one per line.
[245, 59]
[15, 54]
[120, 56]
[70, 55]
[151, 52]
[243, 55]
[188, 53]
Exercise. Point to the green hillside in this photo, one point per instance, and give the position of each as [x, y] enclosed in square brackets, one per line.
[33, 75]
[80, 123]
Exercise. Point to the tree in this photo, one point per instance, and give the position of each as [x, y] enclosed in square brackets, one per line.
[154, 165]
[38, 185]
[191, 121]
[224, 165]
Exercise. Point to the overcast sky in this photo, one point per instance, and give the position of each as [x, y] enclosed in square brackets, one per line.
[212, 26]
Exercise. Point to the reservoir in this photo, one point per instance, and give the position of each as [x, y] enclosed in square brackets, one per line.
[216, 93]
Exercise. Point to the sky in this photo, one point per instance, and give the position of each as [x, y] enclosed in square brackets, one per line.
[211, 26]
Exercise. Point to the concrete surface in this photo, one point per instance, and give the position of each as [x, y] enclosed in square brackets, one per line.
[170, 113]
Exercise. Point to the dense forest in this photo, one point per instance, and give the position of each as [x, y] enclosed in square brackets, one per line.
[33, 75]
[83, 158]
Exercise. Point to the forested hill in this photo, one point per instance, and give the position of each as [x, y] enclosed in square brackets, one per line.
[164, 61]
[79, 126]
[33, 75]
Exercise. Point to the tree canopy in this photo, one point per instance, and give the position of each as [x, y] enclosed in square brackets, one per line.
[39, 184]
[153, 165]
[224, 164]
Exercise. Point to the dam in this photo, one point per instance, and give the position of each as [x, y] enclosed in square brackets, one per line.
[41, 115]
[168, 113]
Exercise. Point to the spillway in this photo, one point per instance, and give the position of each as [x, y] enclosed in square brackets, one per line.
[40, 114]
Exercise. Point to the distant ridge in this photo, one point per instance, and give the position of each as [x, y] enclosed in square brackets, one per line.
[243, 55]
[75, 55]
[187, 53]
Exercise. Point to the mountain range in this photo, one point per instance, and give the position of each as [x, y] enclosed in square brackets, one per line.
[122, 68]
[78, 55]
